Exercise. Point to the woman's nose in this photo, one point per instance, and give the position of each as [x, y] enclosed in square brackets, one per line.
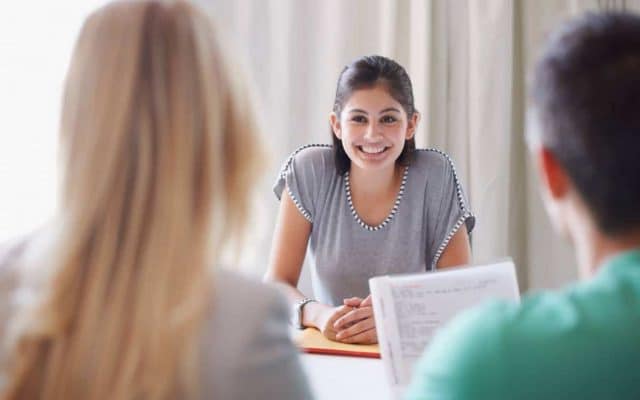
[373, 131]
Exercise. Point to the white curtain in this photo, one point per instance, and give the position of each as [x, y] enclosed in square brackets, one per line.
[468, 60]
[36, 40]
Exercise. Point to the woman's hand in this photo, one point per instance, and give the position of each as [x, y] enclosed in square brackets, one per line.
[327, 319]
[357, 325]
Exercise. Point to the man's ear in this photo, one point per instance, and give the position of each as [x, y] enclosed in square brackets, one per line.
[552, 175]
[334, 121]
[412, 125]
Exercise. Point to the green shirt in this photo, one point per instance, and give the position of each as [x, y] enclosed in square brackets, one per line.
[580, 343]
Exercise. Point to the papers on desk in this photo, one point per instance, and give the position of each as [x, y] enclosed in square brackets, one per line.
[311, 340]
[409, 309]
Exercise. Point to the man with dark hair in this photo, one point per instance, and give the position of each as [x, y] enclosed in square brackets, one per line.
[582, 342]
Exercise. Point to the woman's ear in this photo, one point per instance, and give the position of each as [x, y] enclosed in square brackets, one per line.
[412, 125]
[335, 125]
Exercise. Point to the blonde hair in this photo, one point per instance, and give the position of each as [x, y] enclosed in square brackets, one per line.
[159, 150]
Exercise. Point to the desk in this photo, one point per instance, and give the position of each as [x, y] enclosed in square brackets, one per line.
[339, 377]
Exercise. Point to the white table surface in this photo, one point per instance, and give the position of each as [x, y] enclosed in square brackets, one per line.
[341, 377]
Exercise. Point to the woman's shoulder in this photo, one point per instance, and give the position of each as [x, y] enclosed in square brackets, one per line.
[11, 252]
[247, 339]
[16, 263]
[320, 155]
[438, 167]
[27, 258]
[11, 255]
[244, 304]
[234, 285]
[18, 258]
[430, 159]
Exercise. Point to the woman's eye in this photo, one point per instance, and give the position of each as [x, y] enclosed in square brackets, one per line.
[359, 119]
[388, 119]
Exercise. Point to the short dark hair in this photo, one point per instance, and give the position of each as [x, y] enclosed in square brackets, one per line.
[367, 72]
[586, 94]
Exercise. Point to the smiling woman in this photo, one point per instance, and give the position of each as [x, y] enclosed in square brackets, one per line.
[369, 205]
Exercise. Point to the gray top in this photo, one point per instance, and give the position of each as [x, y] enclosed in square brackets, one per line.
[245, 347]
[343, 251]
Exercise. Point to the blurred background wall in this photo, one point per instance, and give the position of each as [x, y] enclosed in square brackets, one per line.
[468, 60]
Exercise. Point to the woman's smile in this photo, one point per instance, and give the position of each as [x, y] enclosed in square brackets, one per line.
[373, 152]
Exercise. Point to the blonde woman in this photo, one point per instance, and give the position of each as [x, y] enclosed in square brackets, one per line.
[116, 299]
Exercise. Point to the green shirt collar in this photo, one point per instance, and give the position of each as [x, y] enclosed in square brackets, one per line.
[622, 262]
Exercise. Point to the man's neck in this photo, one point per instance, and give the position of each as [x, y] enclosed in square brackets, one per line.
[593, 248]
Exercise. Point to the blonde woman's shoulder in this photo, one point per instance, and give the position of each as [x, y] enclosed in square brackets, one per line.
[12, 254]
[247, 340]
[25, 259]
[24, 269]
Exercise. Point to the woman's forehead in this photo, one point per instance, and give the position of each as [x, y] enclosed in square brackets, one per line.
[372, 99]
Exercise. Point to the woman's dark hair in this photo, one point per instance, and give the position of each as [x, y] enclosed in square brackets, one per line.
[586, 93]
[364, 73]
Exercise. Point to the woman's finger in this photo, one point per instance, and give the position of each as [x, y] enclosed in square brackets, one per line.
[355, 315]
[367, 302]
[352, 302]
[338, 313]
[362, 326]
[367, 337]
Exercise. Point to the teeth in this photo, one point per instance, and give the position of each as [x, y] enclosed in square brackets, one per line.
[372, 149]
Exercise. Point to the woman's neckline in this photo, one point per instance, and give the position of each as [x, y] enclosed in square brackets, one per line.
[392, 213]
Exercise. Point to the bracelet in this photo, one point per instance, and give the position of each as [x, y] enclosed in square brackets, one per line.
[299, 309]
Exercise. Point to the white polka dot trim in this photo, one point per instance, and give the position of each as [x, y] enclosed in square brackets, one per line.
[283, 175]
[455, 176]
[299, 206]
[394, 210]
[447, 239]
[466, 214]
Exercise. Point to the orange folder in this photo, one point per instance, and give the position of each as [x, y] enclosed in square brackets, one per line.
[311, 340]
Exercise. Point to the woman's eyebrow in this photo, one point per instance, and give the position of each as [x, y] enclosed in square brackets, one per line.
[358, 110]
[389, 109]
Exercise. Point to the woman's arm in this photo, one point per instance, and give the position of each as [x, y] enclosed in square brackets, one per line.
[358, 326]
[457, 252]
[288, 247]
[285, 264]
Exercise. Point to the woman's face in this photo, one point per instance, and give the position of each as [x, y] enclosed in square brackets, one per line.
[373, 128]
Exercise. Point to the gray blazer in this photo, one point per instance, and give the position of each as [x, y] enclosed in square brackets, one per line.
[246, 349]
[249, 354]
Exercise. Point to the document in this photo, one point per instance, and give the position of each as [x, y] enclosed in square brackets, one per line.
[312, 340]
[410, 309]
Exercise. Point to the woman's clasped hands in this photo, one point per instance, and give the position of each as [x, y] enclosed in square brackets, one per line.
[353, 322]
